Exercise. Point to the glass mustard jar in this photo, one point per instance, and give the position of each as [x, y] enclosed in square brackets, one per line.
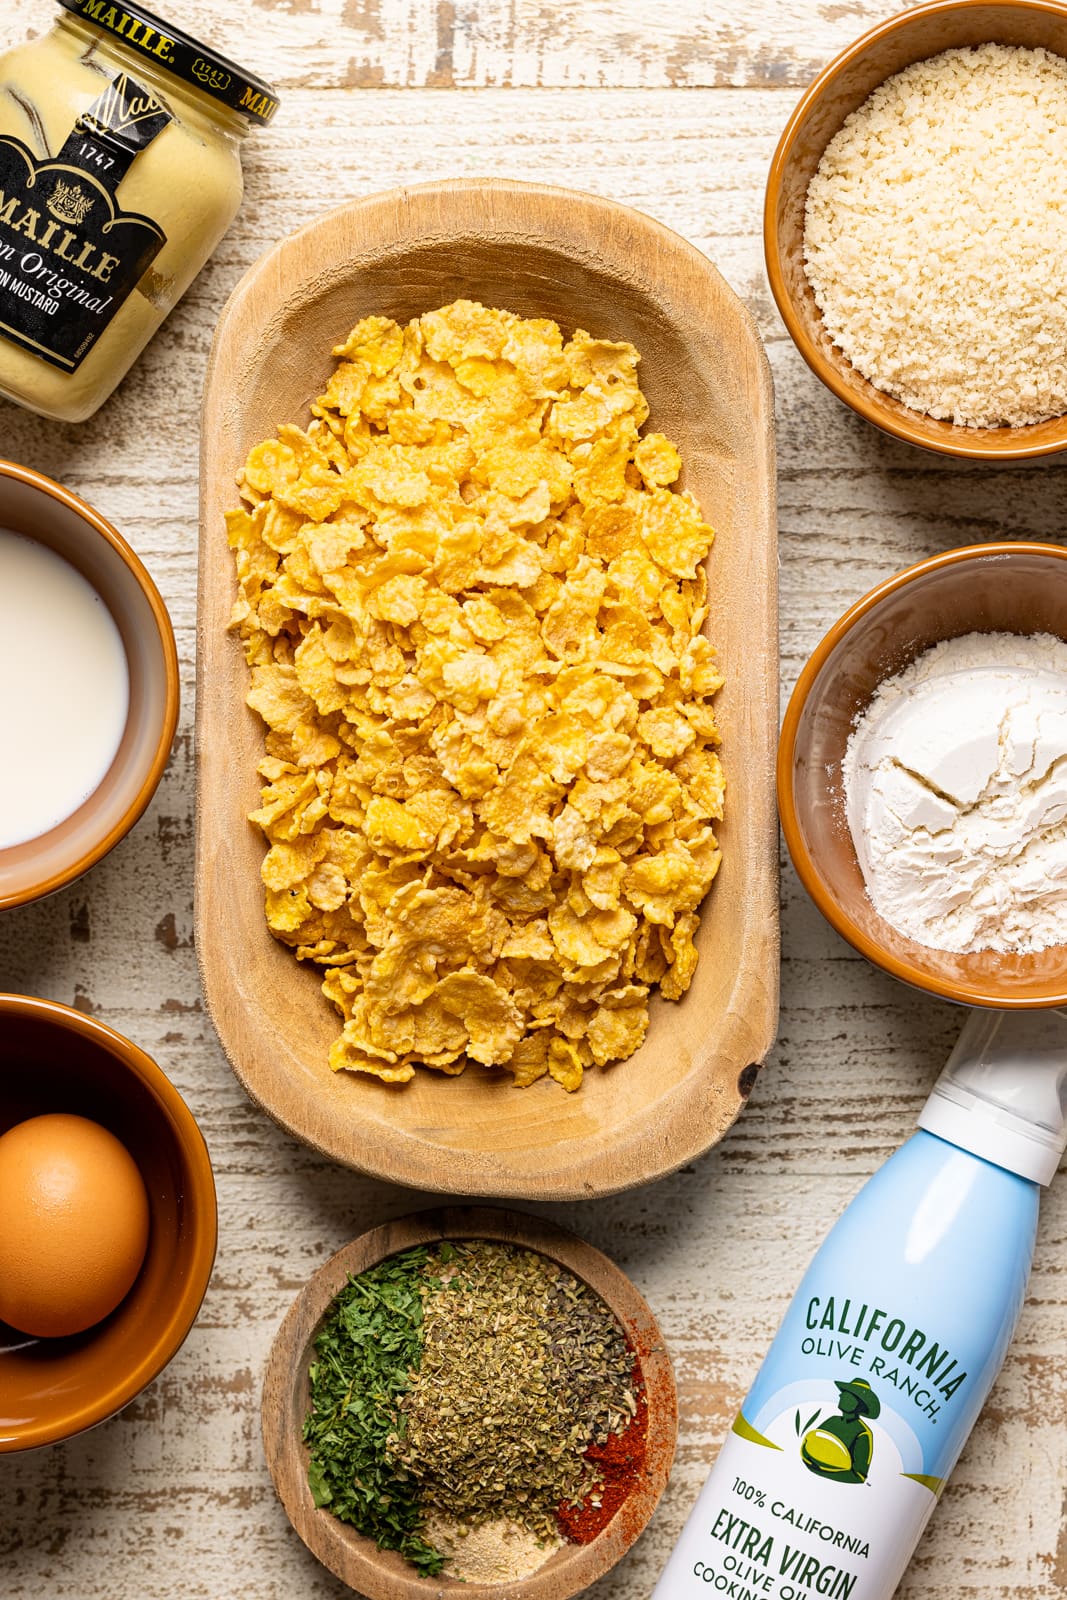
[120, 171]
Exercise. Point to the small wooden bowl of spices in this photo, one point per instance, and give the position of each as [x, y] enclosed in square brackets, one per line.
[469, 1397]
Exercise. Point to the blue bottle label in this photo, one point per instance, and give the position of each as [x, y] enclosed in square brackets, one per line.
[845, 1372]
[769, 1527]
[834, 1463]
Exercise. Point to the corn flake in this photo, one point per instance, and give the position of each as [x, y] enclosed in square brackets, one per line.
[471, 605]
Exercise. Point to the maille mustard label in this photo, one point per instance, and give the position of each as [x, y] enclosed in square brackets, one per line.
[69, 254]
[116, 128]
[197, 63]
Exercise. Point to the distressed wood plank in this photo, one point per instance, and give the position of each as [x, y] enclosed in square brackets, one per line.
[466, 44]
[171, 1501]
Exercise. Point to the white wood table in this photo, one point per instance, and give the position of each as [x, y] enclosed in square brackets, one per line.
[674, 108]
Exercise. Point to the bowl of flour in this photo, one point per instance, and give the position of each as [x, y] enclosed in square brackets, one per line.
[922, 775]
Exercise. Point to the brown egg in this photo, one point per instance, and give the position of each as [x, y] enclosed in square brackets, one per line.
[73, 1224]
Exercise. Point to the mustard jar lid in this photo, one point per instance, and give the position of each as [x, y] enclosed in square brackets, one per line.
[205, 68]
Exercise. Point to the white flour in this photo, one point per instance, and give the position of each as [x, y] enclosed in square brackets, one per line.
[956, 794]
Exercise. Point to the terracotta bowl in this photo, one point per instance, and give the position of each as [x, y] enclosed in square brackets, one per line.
[1004, 588]
[55, 1059]
[383, 1574]
[32, 505]
[836, 93]
[589, 264]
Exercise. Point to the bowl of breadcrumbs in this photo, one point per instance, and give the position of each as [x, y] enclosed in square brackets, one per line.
[914, 221]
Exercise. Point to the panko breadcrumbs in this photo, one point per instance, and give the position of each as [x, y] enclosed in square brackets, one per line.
[471, 604]
[935, 233]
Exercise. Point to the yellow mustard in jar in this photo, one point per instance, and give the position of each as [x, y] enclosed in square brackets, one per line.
[120, 171]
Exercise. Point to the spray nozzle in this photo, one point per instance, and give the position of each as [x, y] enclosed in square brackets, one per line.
[1003, 1092]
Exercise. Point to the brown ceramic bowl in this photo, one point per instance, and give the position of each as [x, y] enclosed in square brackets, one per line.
[383, 1574]
[1005, 588]
[55, 1059]
[835, 94]
[33, 505]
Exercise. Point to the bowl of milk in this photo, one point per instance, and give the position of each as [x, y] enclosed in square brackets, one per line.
[88, 686]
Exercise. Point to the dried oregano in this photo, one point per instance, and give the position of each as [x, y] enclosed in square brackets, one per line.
[523, 1367]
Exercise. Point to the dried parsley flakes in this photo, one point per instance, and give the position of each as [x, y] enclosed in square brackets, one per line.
[367, 1350]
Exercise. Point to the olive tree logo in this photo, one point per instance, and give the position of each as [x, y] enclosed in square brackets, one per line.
[840, 1446]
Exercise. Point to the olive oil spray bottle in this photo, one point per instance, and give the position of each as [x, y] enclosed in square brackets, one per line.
[888, 1351]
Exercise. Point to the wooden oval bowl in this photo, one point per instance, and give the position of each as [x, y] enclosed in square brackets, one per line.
[586, 263]
[842, 88]
[383, 1574]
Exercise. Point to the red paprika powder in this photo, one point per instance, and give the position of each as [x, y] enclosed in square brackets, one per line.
[621, 1460]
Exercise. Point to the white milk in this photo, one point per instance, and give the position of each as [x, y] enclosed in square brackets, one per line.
[64, 689]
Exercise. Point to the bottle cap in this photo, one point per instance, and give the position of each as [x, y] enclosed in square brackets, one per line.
[1003, 1092]
[205, 68]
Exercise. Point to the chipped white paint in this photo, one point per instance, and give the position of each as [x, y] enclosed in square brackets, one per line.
[465, 44]
[172, 1499]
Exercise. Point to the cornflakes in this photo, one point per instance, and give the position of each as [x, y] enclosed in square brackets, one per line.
[471, 604]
